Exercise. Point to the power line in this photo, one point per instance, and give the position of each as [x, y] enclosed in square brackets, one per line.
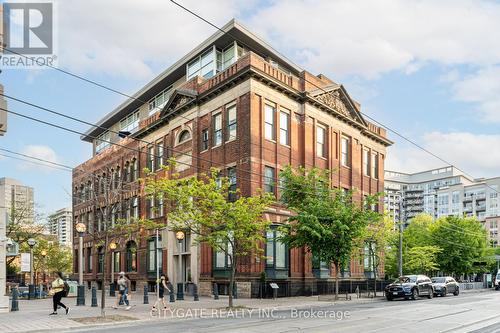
[34, 162]
[37, 158]
[239, 40]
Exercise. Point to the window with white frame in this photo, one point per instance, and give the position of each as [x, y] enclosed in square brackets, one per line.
[130, 123]
[204, 139]
[284, 128]
[269, 179]
[157, 102]
[231, 123]
[135, 207]
[269, 128]
[102, 141]
[375, 165]
[217, 126]
[151, 158]
[159, 155]
[366, 162]
[345, 152]
[320, 141]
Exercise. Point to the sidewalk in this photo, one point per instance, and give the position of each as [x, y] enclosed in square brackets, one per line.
[34, 315]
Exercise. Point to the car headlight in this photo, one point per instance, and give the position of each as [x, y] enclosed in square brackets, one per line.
[406, 288]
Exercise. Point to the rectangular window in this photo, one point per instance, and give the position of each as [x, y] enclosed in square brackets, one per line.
[270, 248]
[159, 204]
[116, 263]
[102, 141]
[217, 125]
[151, 208]
[366, 162]
[231, 123]
[203, 65]
[345, 151]
[135, 170]
[375, 165]
[135, 207]
[284, 128]
[269, 131]
[269, 179]
[159, 155]
[130, 123]
[220, 259]
[320, 141]
[151, 255]
[151, 158]
[89, 260]
[204, 139]
[280, 255]
[231, 175]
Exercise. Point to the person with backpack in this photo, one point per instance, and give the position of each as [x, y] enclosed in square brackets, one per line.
[123, 288]
[60, 289]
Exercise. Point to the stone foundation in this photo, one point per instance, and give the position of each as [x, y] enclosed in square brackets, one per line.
[205, 288]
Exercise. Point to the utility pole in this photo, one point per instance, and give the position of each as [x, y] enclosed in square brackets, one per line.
[401, 236]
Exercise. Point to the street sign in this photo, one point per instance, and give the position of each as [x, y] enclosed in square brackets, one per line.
[25, 262]
[274, 285]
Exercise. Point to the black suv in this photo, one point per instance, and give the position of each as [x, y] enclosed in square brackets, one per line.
[445, 285]
[409, 286]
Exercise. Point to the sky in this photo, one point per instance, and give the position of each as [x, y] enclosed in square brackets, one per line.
[429, 70]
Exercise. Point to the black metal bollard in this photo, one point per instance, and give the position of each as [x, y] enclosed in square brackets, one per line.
[80, 298]
[216, 291]
[180, 291]
[146, 295]
[94, 297]
[195, 293]
[112, 290]
[15, 300]
[31, 291]
[235, 290]
[171, 293]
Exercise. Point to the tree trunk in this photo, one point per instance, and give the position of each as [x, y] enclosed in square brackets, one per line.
[231, 282]
[336, 280]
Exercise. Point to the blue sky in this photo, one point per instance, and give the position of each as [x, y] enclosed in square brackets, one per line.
[428, 69]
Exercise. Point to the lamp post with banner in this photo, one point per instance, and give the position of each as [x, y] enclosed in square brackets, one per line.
[80, 228]
[180, 285]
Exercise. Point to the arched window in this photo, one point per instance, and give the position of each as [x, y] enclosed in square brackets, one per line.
[184, 136]
[131, 257]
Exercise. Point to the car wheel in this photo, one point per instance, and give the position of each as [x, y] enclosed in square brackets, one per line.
[431, 294]
[457, 291]
[444, 292]
[414, 294]
[389, 298]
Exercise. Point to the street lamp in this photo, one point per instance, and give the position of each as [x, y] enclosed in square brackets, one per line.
[112, 247]
[180, 285]
[44, 254]
[31, 243]
[31, 287]
[80, 228]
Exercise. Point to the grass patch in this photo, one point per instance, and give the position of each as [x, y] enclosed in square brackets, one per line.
[101, 320]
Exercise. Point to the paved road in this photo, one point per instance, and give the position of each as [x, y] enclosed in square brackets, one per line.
[478, 312]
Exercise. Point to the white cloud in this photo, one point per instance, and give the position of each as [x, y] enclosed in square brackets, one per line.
[124, 37]
[40, 152]
[483, 89]
[477, 154]
[368, 38]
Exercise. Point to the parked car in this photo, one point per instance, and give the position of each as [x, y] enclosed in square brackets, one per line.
[445, 285]
[496, 282]
[410, 286]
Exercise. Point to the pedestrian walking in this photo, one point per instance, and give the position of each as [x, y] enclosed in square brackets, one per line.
[162, 287]
[123, 289]
[59, 290]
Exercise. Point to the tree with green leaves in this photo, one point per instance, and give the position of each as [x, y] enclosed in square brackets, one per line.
[422, 259]
[377, 237]
[106, 195]
[57, 257]
[464, 244]
[215, 213]
[327, 221]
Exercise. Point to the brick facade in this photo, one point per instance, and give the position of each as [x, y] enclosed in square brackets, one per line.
[250, 84]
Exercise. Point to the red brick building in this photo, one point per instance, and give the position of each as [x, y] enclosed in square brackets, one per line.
[236, 104]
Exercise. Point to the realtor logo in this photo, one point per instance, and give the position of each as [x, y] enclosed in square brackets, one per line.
[28, 27]
[29, 30]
